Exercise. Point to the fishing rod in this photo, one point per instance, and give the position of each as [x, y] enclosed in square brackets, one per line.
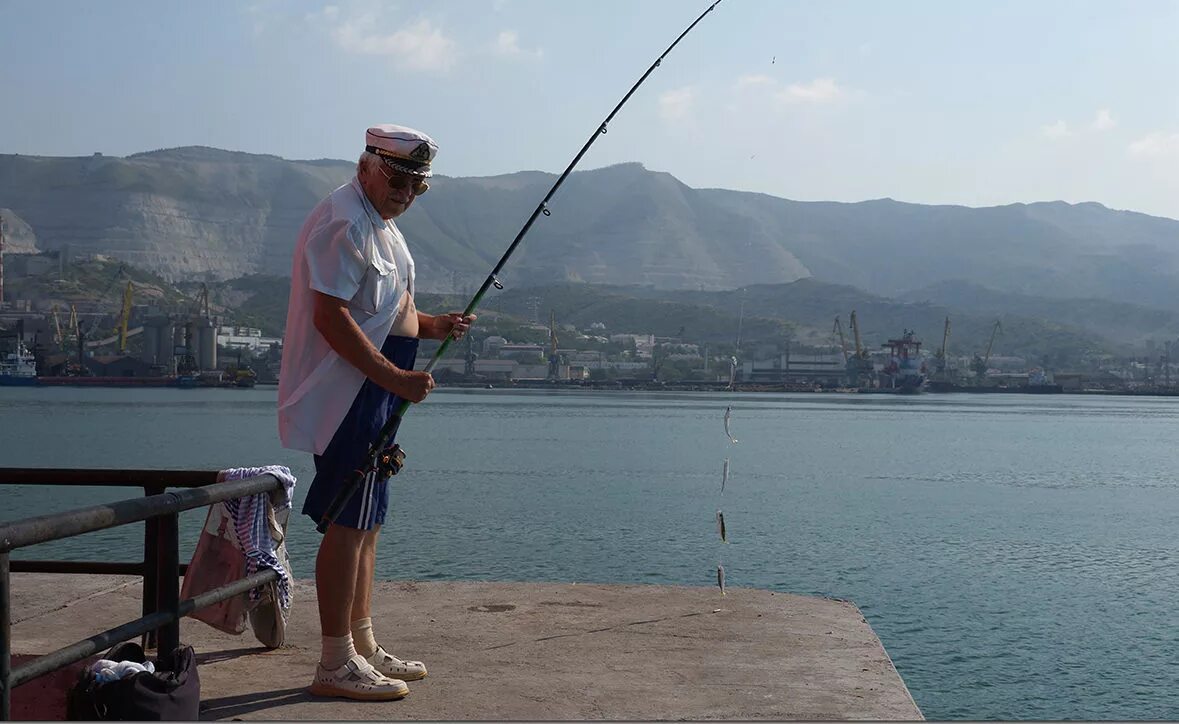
[387, 461]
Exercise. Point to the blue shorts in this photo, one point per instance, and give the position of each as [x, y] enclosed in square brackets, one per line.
[348, 450]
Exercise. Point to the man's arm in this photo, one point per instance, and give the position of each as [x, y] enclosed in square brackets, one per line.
[335, 323]
[441, 326]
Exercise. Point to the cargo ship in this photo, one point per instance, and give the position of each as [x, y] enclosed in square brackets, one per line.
[19, 368]
[905, 371]
[95, 381]
[1037, 383]
[1042, 389]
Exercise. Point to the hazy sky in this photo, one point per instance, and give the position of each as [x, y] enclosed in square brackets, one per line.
[974, 103]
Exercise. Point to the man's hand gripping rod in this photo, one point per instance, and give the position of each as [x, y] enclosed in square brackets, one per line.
[385, 460]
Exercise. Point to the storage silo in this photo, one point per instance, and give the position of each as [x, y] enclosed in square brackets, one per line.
[167, 343]
[151, 343]
[206, 344]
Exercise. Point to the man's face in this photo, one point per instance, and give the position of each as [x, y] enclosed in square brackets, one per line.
[390, 192]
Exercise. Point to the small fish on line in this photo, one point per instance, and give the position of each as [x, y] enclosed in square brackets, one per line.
[720, 526]
[729, 414]
[724, 476]
[732, 371]
[720, 578]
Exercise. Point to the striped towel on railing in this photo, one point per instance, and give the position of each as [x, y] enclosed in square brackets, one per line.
[251, 524]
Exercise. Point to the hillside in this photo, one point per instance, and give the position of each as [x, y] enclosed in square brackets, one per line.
[801, 312]
[199, 213]
[184, 213]
[1119, 322]
[18, 235]
[807, 310]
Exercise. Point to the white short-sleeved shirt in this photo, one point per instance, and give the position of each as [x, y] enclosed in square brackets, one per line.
[346, 250]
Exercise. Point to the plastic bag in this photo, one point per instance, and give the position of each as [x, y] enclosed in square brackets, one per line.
[217, 561]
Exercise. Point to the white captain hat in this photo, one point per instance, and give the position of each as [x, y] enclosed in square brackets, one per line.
[402, 149]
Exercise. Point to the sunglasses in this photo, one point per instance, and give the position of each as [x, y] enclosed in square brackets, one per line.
[403, 180]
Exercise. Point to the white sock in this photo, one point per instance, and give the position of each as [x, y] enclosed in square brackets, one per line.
[336, 651]
[362, 633]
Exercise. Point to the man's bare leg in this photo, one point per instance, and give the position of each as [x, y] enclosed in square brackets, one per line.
[341, 672]
[362, 624]
[337, 569]
[362, 596]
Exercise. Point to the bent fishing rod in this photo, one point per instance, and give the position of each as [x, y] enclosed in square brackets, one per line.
[385, 461]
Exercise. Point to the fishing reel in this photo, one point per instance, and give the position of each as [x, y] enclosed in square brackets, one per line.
[390, 461]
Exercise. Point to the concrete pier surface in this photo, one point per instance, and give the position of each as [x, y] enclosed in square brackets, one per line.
[518, 651]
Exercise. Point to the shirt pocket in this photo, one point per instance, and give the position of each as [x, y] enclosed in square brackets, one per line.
[379, 288]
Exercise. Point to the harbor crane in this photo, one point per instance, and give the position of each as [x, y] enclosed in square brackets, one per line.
[940, 364]
[554, 357]
[121, 332]
[58, 339]
[859, 367]
[842, 341]
[124, 317]
[119, 274]
[471, 357]
[202, 302]
[77, 330]
[981, 364]
[855, 328]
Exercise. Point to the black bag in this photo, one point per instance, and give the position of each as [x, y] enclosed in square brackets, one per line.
[173, 694]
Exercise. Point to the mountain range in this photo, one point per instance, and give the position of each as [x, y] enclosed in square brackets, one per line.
[1079, 276]
[202, 213]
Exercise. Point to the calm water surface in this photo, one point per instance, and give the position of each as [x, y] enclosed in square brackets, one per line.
[1017, 555]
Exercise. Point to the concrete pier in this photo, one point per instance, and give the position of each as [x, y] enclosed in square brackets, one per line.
[518, 651]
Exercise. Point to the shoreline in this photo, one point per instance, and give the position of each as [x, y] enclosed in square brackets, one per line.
[632, 386]
[782, 388]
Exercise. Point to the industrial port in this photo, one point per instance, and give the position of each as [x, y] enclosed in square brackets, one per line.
[122, 332]
[152, 342]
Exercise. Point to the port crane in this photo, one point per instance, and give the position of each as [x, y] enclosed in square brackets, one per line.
[77, 330]
[124, 316]
[119, 274]
[470, 358]
[554, 358]
[981, 364]
[202, 302]
[121, 332]
[855, 328]
[859, 367]
[842, 341]
[58, 339]
[940, 364]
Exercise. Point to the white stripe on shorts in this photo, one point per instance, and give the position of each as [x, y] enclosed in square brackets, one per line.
[365, 502]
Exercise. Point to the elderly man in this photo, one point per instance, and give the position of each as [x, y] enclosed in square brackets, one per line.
[351, 339]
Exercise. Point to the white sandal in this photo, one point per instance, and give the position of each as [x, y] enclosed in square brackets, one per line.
[389, 665]
[357, 679]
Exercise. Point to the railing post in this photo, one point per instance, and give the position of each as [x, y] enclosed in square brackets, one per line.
[5, 638]
[168, 583]
[151, 556]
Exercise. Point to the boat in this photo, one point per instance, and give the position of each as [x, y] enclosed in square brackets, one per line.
[905, 371]
[1029, 389]
[1038, 383]
[19, 368]
[106, 381]
[239, 376]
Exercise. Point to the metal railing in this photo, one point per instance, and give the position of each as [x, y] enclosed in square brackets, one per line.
[160, 568]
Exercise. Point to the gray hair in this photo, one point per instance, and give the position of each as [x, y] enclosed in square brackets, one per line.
[368, 163]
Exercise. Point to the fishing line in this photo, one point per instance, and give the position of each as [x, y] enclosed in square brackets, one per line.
[388, 460]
